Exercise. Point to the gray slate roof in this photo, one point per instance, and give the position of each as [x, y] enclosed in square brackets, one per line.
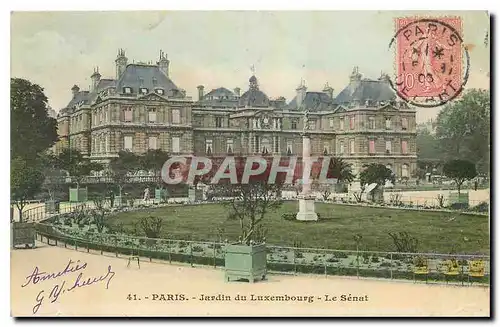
[375, 90]
[135, 76]
[80, 96]
[254, 98]
[224, 98]
[221, 91]
[314, 101]
[138, 75]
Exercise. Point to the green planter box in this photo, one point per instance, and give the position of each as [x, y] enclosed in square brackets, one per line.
[459, 202]
[463, 198]
[78, 194]
[160, 195]
[245, 262]
[118, 201]
[52, 206]
[23, 234]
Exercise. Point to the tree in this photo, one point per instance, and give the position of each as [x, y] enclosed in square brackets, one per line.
[341, 170]
[32, 130]
[26, 179]
[463, 129]
[151, 226]
[52, 173]
[121, 166]
[375, 173]
[252, 201]
[427, 145]
[459, 171]
[99, 212]
[77, 166]
[154, 160]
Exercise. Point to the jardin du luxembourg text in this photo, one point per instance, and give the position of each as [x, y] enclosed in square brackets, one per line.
[250, 297]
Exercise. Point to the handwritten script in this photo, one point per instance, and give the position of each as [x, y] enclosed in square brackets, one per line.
[65, 281]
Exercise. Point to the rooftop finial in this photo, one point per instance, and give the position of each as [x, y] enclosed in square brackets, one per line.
[302, 83]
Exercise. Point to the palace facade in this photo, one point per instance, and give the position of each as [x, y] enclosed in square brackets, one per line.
[142, 108]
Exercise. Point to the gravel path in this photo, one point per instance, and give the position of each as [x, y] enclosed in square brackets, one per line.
[154, 279]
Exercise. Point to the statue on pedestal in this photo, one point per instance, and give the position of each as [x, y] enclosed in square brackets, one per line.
[307, 126]
[306, 201]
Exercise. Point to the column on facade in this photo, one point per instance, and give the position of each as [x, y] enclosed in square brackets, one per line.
[107, 143]
[250, 142]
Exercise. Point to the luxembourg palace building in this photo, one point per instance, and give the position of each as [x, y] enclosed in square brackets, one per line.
[142, 108]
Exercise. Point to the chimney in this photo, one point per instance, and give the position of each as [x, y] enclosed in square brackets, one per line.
[164, 63]
[75, 89]
[355, 78]
[328, 90]
[200, 92]
[121, 63]
[95, 77]
[237, 91]
[301, 93]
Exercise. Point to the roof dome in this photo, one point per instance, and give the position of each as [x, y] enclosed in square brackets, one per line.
[254, 97]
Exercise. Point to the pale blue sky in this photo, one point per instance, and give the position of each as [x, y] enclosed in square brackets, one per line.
[59, 49]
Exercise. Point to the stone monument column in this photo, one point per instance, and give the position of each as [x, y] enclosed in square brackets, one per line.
[306, 200]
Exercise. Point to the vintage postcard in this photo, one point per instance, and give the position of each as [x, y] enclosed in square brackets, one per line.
[250, 163]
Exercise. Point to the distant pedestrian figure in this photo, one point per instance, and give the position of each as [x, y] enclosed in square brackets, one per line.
[146, 194]
[475, 185]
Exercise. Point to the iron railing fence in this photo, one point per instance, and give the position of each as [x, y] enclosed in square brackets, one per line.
[433, 267]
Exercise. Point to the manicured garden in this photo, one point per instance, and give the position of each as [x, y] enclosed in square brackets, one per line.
[436, 232]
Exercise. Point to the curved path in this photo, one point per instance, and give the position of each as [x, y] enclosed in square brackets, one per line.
[384, 297]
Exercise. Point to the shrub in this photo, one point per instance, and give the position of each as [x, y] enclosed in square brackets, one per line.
[289, 216]
[197, 248]
[440, 199]
[482, 207]
[375, 259]
[341, 255]
[419, 261]
[68, 221]
[151, 226]
[332, 259]
[182, 244]
[459, 206]
[404, 242]
[297, 253]
[395, 199]
[317, 257]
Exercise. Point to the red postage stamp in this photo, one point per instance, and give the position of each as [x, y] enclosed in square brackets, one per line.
[430, 60]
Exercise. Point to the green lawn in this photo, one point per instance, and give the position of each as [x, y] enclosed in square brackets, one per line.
[436, 231]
